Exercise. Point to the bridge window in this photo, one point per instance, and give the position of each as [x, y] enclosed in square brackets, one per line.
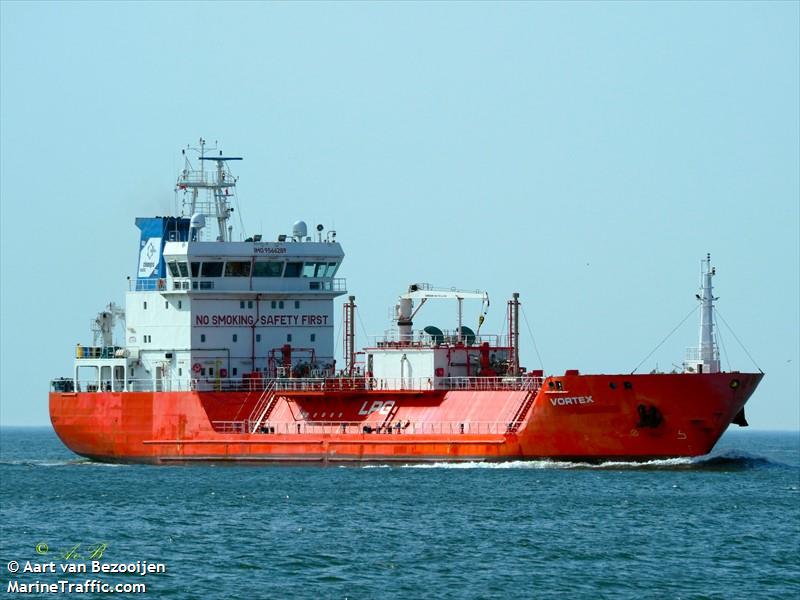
[330, 270]
[237, 269]
[184, 269]
[211, 269]
[268, 268]
[195, 269]
[293, 269]
[315, 269]
[173, 269]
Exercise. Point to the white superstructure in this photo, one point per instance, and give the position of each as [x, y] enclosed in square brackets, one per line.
[206, 310]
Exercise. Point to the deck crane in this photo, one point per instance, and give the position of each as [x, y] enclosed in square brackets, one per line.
[424, 292]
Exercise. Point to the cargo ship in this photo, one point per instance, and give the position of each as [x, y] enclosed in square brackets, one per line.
[227, 353]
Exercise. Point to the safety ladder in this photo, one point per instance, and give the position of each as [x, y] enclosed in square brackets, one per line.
[532, 387]
[264, 406]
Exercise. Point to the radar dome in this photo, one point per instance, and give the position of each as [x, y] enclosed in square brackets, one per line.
[198, 221]
[300, 229]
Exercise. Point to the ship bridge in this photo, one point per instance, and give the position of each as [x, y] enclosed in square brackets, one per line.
[276, 268]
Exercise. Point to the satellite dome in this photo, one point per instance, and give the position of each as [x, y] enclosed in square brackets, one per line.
[300, 229]
[198, 221]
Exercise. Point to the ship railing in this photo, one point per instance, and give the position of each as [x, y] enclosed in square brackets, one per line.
[316, 384]
[408, 383]
[492, 383]
[68, 384]
[696, 354]
[393, 339]
[82, 352]
[149, 285]
[204, 179]
[379, 427]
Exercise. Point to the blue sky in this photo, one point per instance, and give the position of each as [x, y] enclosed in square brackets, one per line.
[586, 155]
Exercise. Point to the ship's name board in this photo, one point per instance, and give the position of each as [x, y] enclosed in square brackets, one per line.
[269, 249]
[260, 321]
[571, 401]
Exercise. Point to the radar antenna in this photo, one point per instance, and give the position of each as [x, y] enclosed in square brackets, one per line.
[217, 184]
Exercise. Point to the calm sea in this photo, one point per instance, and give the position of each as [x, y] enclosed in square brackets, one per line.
[723, 526]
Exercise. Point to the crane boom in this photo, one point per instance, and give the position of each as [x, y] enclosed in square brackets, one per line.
[419, 291]
[424, 292]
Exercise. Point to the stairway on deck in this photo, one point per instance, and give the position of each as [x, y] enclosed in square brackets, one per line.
[263, 408]
[524, 408]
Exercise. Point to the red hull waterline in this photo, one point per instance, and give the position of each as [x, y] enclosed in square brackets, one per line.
[571, 417]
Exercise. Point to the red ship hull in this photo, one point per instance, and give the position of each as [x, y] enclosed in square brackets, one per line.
[573, 417]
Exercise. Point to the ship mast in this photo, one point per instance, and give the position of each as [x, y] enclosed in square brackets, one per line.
[705, 358]
[708, 347]
[217, 185]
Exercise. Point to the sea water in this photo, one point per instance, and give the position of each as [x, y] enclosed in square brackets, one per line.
[722, 526]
